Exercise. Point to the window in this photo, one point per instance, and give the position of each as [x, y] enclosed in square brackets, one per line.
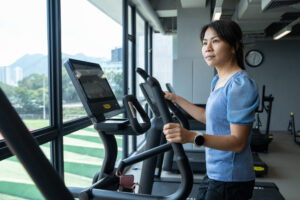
[89, 34]
[163, 56]
[140, 52]
[15, 183]
[24, 59]
[84, 155]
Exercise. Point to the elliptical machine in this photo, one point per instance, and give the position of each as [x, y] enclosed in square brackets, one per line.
[24, 146]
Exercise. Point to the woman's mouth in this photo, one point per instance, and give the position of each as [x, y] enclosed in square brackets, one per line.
[209, 57]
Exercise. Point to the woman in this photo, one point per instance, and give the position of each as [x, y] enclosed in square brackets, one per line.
[229, 114]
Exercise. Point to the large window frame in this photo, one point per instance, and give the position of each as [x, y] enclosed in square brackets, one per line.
[57, 128]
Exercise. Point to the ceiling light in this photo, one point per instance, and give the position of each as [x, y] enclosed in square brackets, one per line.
[283, 32]
[217, 13]
[286, 30]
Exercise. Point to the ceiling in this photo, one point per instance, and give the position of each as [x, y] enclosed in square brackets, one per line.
[257, 18]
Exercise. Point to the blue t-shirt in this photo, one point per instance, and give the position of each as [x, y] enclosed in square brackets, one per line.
[234, 103]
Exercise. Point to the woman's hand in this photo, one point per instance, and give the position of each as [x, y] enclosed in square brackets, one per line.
[170, 96]
[177, 134]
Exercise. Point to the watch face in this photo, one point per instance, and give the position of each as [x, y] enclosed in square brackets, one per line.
[254, 58]
[199, 140]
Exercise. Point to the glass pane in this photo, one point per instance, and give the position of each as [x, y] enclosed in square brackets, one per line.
[163, 56]
[15, 183]
[91, 34]
[140, 52]
[24, 59]
[130, 68]
[129, 20]
[83, 156]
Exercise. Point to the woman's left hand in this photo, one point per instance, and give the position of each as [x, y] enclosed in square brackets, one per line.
[176, 133]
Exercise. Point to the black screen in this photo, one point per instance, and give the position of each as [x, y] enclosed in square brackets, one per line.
[93, 82]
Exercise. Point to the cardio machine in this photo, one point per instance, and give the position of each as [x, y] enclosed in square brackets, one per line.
[89, 81]
[292, 129]
[23, 145]
[260, 141]
[151, 180]
[196, 155]
[193, 124]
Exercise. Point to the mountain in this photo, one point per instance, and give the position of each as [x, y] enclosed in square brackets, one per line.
[32, 63]
[38, 63]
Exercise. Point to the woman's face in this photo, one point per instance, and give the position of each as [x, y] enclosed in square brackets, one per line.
[216, 51]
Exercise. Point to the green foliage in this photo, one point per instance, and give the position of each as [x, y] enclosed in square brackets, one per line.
[34, 81]
[29, 97]
[69, 92]
[9, 90]
[32, 91]
[116, 82]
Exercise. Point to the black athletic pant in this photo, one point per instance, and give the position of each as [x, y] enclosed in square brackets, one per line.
[218, 190]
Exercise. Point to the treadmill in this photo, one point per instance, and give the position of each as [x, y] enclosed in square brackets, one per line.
[260, 141]
[151, 180]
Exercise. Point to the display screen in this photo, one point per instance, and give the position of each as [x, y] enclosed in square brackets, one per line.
[93, 82]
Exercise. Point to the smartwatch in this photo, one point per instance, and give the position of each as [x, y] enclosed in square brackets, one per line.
[199, 139]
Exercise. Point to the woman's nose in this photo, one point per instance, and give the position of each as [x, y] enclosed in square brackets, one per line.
[208, 47]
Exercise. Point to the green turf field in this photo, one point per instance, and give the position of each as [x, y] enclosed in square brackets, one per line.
[83, 157]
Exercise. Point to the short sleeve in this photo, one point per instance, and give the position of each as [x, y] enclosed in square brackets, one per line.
[243, 99]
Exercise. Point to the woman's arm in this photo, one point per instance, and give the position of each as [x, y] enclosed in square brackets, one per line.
[196, 112]
[235, 142]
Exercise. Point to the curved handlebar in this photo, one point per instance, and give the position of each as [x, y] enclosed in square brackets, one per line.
[181, 159]
[178, 114]
[130, 102]
[142, 73]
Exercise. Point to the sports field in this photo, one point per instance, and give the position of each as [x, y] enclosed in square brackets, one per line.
[83, 156]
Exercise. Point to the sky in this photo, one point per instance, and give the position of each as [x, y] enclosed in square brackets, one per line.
[85, 29]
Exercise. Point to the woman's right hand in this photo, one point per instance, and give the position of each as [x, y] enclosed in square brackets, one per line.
[170, 96]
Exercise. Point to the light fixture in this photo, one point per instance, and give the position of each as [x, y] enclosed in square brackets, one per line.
[283, 32]
[286, 30]
[217, 13]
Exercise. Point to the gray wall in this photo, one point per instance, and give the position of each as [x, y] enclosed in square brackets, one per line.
[280, 72]
[191, 75]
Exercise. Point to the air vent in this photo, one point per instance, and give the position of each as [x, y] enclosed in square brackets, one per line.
[273, 4]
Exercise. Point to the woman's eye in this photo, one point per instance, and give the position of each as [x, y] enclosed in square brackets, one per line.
[215, 41]
[204, 43]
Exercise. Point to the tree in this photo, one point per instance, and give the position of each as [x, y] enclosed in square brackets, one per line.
[69, 93]
[29, 96]
[115, 80]
[34, 81]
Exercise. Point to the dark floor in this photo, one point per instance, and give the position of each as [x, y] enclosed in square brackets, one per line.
[283, 161]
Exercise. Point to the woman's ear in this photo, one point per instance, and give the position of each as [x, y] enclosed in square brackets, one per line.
[233, 50]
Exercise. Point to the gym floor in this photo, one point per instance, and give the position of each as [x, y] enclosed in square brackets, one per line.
[283, 161]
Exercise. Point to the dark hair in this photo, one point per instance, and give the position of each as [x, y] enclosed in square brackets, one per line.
[230, 32]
